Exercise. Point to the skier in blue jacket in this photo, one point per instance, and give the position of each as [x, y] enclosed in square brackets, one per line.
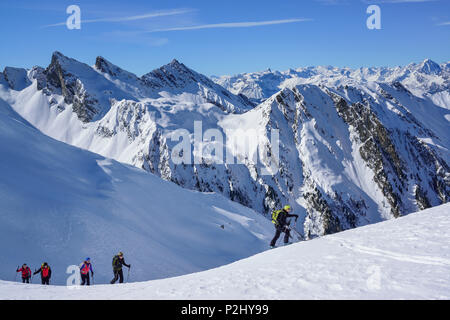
[85, 267]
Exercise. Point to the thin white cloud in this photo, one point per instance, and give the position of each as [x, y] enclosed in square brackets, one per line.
[131, 18]
[332, 2]
[232, 25]
[399, 1]
[447, 23]
[346, 2]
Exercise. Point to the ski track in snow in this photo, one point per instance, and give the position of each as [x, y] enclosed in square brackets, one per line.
[436, 261]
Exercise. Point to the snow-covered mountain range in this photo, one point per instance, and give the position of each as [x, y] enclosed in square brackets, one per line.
[426, 78]
[355, 146]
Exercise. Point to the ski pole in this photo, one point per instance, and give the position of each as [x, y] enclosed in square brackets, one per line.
[300, 237]
[128, 275]
[292, 228]
[290, 236]
[296, 232]
[15, 276]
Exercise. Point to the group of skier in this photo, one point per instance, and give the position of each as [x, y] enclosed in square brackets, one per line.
[44, 270]
[279, 218]
[85, 269]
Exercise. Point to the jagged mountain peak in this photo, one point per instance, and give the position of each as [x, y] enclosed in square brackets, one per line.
[62, 67]
[91, 88]
[16, 78]
[177, 68]
[62, 60]
[178, 78]
[105, 66]
[175, 62]
[428, 66]
[173, 74]
[446, 66]
[82, 86]
[57, 54]
[71, 64]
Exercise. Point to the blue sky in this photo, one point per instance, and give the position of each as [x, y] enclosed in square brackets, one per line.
[226, 37]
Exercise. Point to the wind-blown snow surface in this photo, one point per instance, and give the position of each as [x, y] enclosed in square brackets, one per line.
[405, 258]
[61, 204]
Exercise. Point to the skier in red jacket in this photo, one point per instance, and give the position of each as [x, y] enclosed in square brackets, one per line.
[26, 273]
[46, 273]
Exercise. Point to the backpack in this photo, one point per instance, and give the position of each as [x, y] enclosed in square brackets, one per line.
[84, 269]
[116, 262]
[45, 271]
[275, 214]
[26, 272]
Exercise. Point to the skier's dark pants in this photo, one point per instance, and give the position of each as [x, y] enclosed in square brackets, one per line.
[45, 280]
[117, 274]
[85, 279]
[26, 280]
[278, 232]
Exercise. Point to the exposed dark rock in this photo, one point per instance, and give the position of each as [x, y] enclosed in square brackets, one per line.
[72, 89]
[377, 150]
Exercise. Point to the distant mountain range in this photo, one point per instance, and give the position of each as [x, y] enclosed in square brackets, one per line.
[427, 77]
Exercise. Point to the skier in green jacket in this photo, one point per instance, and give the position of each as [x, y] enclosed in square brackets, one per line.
[117, 263]
[279, 219]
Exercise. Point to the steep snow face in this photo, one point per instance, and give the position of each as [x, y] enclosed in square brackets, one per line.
[16, 78]
[347, 155]
[60, 204]
[429, 67]
[87, 91]
[351, 156]
[406, 258]
[176, 77]
[427, 78]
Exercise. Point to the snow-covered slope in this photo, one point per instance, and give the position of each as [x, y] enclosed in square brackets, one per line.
[406, 258]
[61, 204]
[353, 149]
